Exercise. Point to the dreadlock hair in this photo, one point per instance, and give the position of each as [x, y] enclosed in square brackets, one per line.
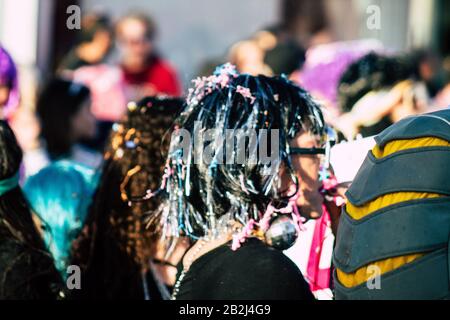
[27, 270]
[204, 197]
[115, 242]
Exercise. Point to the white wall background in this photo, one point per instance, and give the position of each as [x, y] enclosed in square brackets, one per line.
[191, 31]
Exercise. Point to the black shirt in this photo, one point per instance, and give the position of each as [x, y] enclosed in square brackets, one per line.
[72, 62]
[26, 273]
[253, 272]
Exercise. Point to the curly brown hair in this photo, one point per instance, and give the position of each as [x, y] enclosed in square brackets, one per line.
[115, 245]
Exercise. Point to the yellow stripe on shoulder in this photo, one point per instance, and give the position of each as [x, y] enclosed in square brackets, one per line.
[386, 201]
[358, 212]
[399, 145]
[361, 275]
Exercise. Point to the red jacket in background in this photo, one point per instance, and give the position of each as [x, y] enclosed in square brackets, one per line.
[158, 78]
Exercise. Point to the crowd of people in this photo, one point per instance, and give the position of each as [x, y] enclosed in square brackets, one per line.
[234, 188]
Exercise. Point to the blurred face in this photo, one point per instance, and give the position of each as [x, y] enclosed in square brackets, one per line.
[27, 128]
[84, 123]
[4, 95]
[307, 171]
[134, 42]
[102, 40]
[250, 58]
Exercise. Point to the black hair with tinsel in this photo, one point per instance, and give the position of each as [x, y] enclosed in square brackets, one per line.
[115, 247]
[57, 104]
[204, 197]
[27, 270]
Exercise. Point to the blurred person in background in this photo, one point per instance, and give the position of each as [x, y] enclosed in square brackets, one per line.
[27, 269]
[145, 72]
[65, 118]
[270, 51]
[21, 120]
[427, 66]
[105, 82]
[377, 91]
[285, 58]
[115, 242]
[324, 66]
[60, 196]
[86, 63]
[9, 91]
[248, 57]
[93, 44]
[282, 52]
[442, 98]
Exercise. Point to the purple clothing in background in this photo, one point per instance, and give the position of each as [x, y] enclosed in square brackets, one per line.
[8, 77]
[326, 63]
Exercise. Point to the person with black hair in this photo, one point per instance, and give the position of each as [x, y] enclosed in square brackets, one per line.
[115, 242]
[65, 117]
[285, 58]
[377, 91]
[93, 43]
[87, 63]
[241, 213]
[27, 270]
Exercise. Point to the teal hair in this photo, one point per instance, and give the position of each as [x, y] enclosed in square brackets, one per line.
[60, 196]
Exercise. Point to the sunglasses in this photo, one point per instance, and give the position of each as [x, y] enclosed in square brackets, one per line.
[307, 151]
[327, 141]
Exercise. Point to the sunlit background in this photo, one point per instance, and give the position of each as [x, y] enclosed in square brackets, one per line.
[196, 32]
